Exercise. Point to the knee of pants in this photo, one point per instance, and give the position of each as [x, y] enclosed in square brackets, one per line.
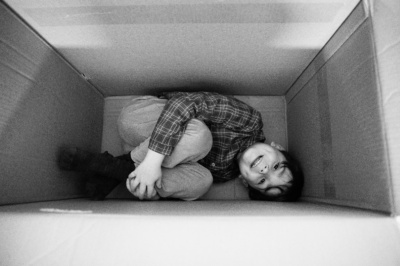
[201, 189]
[137, 119]
[194, 145]
[187, 181]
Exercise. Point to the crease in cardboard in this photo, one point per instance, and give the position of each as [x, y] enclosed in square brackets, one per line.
[9, 57]
[388, 47]
[393, 95]
[16, 50]
[11, 54]
[68, 244]
[17, 71]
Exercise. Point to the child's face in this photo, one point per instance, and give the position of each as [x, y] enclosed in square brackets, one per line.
[262, 167]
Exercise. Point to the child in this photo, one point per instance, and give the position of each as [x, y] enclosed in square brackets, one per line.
[187, 141]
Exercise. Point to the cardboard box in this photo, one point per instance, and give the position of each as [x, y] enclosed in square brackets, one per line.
[338, 115]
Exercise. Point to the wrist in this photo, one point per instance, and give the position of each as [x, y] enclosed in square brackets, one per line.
[154, 157]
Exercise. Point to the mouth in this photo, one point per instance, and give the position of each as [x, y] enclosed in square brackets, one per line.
[257, 161]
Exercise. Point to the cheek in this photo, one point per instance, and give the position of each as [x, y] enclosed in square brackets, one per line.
[288, 177]
[250, 180]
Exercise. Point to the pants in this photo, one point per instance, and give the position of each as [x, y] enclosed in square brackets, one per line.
[182, 176]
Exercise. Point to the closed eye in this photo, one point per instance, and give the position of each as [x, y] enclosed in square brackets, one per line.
[280, 165]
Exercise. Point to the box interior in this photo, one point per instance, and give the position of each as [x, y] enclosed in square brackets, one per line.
[335, 109]
[328, 115]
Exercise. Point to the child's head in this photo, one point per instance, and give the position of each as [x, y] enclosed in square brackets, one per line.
[270, 173]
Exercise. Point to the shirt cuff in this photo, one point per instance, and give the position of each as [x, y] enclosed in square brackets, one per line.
[160, 148]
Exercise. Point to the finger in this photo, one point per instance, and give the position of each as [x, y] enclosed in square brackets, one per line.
[132, 174]
[129, 185]
[135, 182]
[142, 190]
[136, 193]
[150, 197]
[150, 191]
[154, 193]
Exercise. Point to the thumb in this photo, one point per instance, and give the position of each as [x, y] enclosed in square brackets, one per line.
[132, 174]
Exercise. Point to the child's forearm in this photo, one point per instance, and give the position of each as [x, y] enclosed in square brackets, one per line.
[154, 158]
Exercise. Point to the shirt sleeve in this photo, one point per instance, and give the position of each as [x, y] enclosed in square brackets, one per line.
[211, 108]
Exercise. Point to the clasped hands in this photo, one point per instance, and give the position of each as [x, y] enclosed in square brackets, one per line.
[141, 182]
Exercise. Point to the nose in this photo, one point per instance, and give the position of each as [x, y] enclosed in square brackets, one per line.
[264, 169]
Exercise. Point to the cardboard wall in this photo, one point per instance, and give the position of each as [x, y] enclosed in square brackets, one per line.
[386, 30]
[44, 104]
[335, 122]
[238, 47]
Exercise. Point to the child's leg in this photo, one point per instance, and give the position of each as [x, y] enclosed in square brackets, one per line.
[194, 145]
[187, 181]
[138, 119]
[183, 178]
[103, 172]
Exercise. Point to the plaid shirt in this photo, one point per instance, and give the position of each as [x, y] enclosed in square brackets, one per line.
[234, 126]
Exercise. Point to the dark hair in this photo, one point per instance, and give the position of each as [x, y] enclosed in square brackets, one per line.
[293, 193]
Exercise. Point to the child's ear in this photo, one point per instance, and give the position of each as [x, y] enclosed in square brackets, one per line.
[277, 146]
[244, 182]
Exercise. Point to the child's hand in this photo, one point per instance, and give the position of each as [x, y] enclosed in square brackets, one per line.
[141, 181]
[154, 196]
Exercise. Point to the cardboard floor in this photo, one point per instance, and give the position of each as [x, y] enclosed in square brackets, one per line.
[116, 232]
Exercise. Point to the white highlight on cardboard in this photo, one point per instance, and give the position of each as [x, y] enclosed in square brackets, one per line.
[52, 210]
